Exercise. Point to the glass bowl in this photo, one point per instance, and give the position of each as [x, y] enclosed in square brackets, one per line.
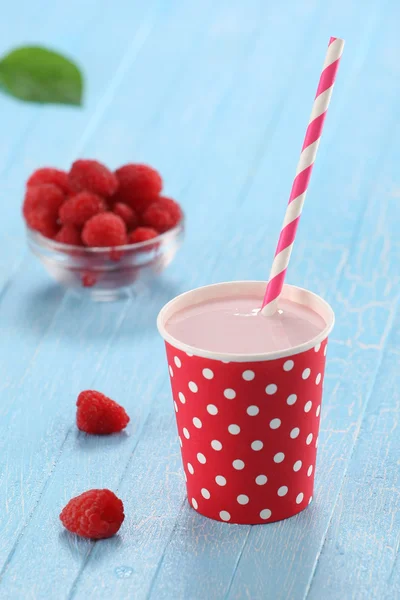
[106, 274]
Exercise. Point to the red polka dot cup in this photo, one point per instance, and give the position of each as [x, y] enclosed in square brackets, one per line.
[248, 424]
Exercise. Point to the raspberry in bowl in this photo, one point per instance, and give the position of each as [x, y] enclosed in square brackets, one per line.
[99, 232]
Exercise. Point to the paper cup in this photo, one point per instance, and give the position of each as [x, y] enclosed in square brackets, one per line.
[248, 424]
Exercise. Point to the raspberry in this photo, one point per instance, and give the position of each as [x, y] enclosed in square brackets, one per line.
[46, 197]
[49, 175]
[98, 414]
[92, 176]
[95, 514]
[173, 208]
[141, 204]
[69, 234]
[88, 279]
[126, 213]
[142, 234]
[162, 215]
[105, 229]
[138, 185]
[41, 206]
[43, 222]
[80, 208]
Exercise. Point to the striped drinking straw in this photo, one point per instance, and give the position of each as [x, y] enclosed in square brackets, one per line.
[303, 175]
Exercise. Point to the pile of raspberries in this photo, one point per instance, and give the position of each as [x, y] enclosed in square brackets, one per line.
[92, 206]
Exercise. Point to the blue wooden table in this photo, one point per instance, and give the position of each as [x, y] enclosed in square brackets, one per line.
[216, 94]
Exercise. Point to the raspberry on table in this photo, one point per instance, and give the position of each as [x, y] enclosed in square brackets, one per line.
[80, 208]
[69, 234]
[103, 230]
[127, 214]
[92, 176]
[50, 175]
[99, 415]
[95, 514]
[142, 234]
[138, 185]
[162, 215]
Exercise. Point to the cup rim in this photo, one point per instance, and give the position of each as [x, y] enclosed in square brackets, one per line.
[290, 292]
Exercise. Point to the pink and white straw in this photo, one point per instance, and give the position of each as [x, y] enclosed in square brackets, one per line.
[303, 175]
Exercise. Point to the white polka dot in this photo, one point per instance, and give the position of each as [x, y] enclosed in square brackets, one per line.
[182, 397]
[171, 372]
[201, 458]
[318, 378]
[307, 406]
[297, 465]
[234, 429]
[216, 445]
[316, 442]
[309, 439]
[220, 480]
[193, 387]
[212, 409]
[317, 347]
[189, 354]
[283, 490]
[205, 493]
[186, 433]
[253, 410]
[291, 399]
[256, 445]
[226, 362]
[261, 479]
[176, 406]
[275, 423]
[238, 464]
[180, 440]
[190, 468]
[306, 373]
[310, 500]
[184, 474]
[288, 365]
[208, 374]
[325, 349]
[294, 433]
[224, 515]
[299, 498]
[242, 499]
[197, 423]
[194, 504]
[229, 394]
[265, 513]
[279, 457]
[177, 361]
[318, 410]
[271, 389]
[310, 470]
[248, 375]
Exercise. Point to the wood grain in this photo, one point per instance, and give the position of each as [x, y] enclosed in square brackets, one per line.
[216, 95]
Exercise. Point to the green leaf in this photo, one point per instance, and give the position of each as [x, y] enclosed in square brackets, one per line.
[36, 74]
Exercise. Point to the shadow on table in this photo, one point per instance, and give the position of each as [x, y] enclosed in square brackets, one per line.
[94, 443]
[79, 547]
[36, 309]
[49, 309]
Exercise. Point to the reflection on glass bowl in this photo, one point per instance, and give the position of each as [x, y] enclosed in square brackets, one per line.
[106, 274]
